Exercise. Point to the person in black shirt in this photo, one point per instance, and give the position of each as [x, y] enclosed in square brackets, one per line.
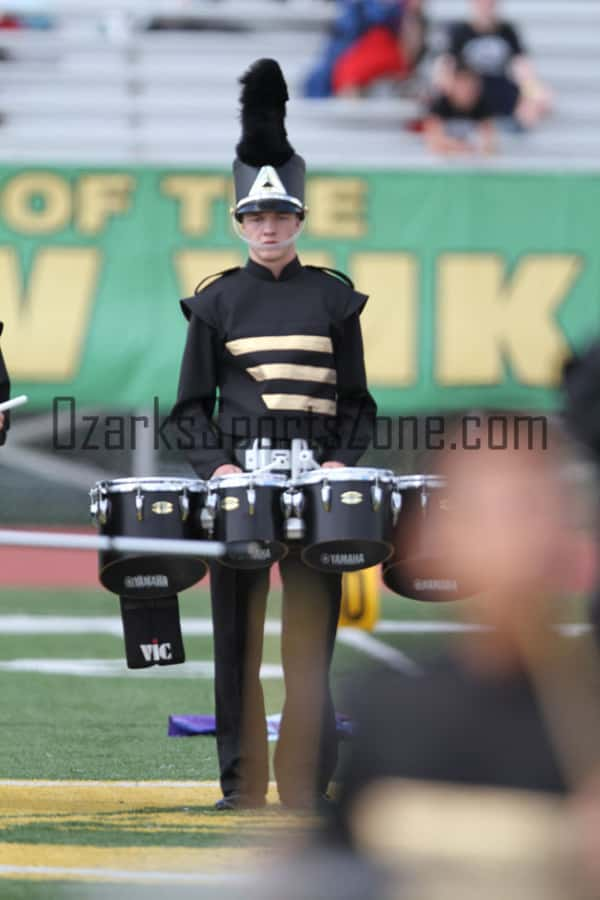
[506, 706]
[281, 343]
[494, 49]
[462, 101]
[4, 395]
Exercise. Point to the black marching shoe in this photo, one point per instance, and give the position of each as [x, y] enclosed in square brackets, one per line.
[239, 801]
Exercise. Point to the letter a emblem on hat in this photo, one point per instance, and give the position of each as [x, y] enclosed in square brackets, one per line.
[267, 184]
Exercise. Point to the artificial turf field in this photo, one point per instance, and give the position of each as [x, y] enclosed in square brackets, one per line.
[95, 800]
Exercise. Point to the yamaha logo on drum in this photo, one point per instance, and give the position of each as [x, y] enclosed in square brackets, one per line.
[351, 498]
[435, 584]
[141, 582]
[343, 559]
[162, 508]
[230, 503]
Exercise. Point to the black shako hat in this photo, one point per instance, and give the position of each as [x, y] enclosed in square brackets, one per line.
[268, 174]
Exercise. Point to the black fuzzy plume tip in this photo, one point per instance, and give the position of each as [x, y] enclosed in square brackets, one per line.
[264, 140]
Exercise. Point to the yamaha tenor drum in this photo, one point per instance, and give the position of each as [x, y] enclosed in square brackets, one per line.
[348, 515]
[148, 508]
[245, 512]
[418, 568]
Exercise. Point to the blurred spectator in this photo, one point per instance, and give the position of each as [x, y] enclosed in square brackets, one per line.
[178, 22]
[494, 48]
[481, 715]
[371, 40]
[9, 21]
[463, 100]
[12, 21]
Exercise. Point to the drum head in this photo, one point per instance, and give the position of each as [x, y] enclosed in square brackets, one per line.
[149, 577]
[148, 485]
[246, 479]
[345, 555]
[253, 554]
[428, 482]
[344, 473]
[426, 578]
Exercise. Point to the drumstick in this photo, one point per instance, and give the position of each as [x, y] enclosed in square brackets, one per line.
[11, 404]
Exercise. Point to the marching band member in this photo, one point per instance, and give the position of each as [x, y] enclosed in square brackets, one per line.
[281, 343]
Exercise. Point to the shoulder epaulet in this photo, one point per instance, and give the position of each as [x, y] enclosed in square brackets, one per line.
[334, 274]
[214, 277]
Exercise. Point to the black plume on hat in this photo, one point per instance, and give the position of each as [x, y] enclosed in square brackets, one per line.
[264, 140]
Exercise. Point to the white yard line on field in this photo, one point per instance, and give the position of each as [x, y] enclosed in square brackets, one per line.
[367, 644]
[108, 625]
[391, 626]
[202, 627]
[115, 668]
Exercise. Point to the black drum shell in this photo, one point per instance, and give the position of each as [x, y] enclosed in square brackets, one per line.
[417, 569]
[234, 523]
[349, 535]
[158, 575]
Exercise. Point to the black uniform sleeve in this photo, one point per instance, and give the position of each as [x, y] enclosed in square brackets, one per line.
[356, 408]
[4, 394]
[196, 433]
[513, 39]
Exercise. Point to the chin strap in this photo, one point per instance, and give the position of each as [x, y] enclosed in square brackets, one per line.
[256, 245]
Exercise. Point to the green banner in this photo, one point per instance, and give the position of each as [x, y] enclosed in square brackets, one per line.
[480, 283]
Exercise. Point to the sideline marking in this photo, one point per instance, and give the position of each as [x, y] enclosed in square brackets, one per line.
[137, 808]
[141, 877]
[61, 784]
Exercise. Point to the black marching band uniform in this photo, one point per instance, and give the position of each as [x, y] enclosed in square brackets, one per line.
[4, 392]
[286, 356]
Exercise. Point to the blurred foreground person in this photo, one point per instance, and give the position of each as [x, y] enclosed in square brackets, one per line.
[507, 710]
[4, 395]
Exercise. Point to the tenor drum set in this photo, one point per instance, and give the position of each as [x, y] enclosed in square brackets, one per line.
[340, 519]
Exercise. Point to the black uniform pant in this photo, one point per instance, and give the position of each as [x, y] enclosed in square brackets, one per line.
[306, 753]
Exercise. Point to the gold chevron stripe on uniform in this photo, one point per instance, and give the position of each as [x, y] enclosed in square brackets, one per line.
[283, 371]
[300, 402]
[314, 343]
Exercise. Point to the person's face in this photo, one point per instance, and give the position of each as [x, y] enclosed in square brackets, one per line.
[465, 90]
[268, 229]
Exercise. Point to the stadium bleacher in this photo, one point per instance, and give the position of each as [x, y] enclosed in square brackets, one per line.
[100, 87]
